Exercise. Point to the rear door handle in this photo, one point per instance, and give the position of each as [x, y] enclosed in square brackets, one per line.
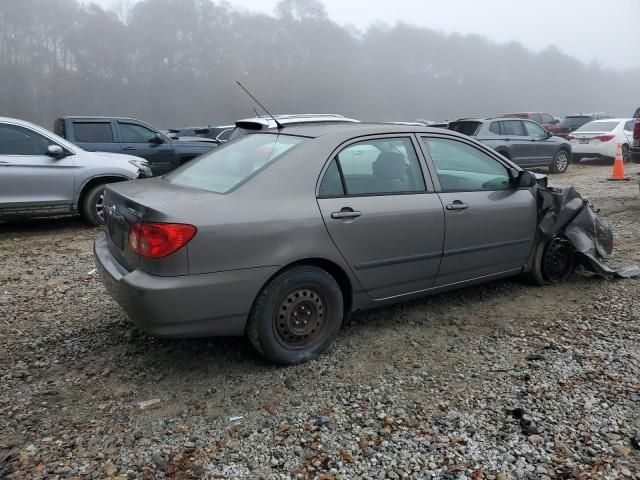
[346, 213]
[128, 148]
[4, 164]
[457, 205]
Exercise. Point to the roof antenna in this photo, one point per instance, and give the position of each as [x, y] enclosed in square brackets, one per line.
[279, 125]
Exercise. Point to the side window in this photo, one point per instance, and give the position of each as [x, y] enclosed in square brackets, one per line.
[15, 140]
[495, 128]
[512, 127]
[534, 130]
[546, 118]
[461, 167]
[536, 117]
[132, 133]
[629, 125]
[331, 185]
[225, 134]
[94, 132]
[375, 167]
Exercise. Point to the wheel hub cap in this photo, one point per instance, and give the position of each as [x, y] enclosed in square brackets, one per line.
[300, 317]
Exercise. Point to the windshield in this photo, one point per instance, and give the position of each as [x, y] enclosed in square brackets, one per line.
[598, 127]
[224, 168]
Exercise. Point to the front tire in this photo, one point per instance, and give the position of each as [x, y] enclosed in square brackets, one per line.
[560, 162]
[93, 206]
[296, 316]
[553, 261]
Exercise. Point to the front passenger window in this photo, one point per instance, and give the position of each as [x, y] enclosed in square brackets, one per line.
[534, 130]
[132, 133]
[16, 140]
[461, 167]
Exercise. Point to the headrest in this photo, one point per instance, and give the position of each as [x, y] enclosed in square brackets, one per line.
[389, 166]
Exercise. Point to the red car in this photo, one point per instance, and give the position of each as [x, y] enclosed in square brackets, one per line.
[548, 122]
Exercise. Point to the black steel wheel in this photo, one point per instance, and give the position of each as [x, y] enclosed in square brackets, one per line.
[297, 315]
[557, 260]
[299, 320]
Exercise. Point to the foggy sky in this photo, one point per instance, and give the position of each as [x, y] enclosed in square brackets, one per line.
[587, 29]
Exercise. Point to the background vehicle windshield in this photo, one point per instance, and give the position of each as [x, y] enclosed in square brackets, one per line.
[466, 128]
[598, 127]
[226, 167]
[575, 121]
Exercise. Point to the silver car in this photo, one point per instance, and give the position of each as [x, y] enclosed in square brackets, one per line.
[42, 174]
[281, 234]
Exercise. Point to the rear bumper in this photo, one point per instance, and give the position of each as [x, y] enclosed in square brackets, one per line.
[213, 304]
[604, 150]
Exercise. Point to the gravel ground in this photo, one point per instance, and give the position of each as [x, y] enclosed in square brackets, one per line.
[500, 381]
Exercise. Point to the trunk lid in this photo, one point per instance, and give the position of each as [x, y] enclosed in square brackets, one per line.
[126, 203]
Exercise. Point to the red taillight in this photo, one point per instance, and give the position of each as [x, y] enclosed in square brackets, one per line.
[569, 137]
[157, 240]
[636, 130]
[605, 138]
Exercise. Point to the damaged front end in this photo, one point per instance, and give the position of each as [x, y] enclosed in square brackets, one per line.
[563, 213]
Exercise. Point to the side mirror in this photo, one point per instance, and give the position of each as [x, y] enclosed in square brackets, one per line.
[55, 151]
[525, 179]
[157, 139]
[549, 134]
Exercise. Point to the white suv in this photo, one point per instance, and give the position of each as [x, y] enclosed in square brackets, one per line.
[42, 174]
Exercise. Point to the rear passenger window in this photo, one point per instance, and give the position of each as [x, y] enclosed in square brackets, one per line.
[495, 128]
[331, 185]
[375, 167]
[461, 167]
[513, 127]
[98, 132]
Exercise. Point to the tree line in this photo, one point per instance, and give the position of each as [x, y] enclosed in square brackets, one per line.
[175, 62]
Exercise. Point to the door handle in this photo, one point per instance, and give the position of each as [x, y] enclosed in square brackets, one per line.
[507, 139]
[457, 205]
[4, 164]
[128, 148]
[346, 213]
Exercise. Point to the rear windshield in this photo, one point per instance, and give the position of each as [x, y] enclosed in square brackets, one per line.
[466, 128]
[224, 168]
[575, 122]
[598, 127]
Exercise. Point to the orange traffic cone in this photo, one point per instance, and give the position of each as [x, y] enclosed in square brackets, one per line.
[618, 166]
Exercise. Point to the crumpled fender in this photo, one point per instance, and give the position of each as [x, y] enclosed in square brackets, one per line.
[563, 211]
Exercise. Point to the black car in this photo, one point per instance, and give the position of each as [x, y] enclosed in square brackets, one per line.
[220, 133]
[521, 141]
[574, 121]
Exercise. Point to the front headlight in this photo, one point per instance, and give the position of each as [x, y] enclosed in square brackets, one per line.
[143, 166]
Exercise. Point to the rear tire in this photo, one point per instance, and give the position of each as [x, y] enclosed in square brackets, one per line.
[560, 162]
[92, 206]
[296, 316]
[552, 262]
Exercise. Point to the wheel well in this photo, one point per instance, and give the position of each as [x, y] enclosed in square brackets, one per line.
[334, 270]
[92, 183]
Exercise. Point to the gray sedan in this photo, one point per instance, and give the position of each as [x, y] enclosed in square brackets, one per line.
[281, 234]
